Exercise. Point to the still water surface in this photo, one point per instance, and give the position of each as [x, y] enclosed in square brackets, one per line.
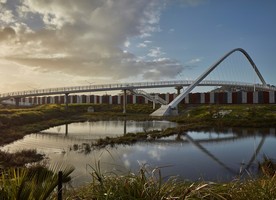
[210, 155]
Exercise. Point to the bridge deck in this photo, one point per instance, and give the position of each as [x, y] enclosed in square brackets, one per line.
[126, 86]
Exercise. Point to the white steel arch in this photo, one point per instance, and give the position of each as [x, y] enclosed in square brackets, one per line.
[171, 109]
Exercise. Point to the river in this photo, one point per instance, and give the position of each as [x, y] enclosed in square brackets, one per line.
[211, 155]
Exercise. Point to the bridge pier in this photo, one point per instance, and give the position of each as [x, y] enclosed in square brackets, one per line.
[17, 100]
[66, 100]
[178, 89]
[124, 101]
[66, 129]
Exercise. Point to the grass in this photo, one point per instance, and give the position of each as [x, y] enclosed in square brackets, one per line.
[130, 138]
[149, 184]
[238, 116]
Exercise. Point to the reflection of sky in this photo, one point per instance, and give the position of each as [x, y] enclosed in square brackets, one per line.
[190, 162]
[210, 135]
[213, 160]
[97, 129]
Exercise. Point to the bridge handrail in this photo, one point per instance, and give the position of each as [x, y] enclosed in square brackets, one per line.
[150, 97]
[120, 86]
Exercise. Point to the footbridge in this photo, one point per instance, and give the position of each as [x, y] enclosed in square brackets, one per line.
[137, 86]
[132, 87]
[127, 86]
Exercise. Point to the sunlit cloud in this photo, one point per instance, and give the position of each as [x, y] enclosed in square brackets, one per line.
[82, 38]
[7, 34]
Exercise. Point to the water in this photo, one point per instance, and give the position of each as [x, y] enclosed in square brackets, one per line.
[212, 155]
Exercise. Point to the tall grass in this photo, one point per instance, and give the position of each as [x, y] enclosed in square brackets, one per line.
[148, 184]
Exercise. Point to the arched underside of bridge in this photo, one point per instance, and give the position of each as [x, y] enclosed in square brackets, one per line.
[171, 109]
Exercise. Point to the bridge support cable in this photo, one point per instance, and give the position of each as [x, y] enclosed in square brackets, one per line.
[178, 89]
[170, 109]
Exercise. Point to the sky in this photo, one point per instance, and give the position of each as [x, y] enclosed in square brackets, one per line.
[58, 43]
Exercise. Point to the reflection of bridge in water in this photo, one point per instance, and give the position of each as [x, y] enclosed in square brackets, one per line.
[186, 138]
[214, 158]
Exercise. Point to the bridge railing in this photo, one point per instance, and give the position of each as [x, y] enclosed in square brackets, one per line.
[121, 86]
[116, 86]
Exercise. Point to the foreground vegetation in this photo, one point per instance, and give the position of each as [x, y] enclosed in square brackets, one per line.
[15, 123]
[36, 182]
[40, 183]
[149, 185]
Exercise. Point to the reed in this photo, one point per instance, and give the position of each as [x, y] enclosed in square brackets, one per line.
[148, 184]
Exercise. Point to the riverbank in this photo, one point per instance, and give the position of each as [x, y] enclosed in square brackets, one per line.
[15, 123]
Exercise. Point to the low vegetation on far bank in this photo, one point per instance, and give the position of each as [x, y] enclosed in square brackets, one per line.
[230, 115]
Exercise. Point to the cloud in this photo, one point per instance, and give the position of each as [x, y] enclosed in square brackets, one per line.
[194, 61]
[127, 44]
[147, 41]
[155, 52]
[171, 30]
[162, 68]
[6, 16]
[142, 45]
[83, 38]
[191, 2]
[7, 33]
